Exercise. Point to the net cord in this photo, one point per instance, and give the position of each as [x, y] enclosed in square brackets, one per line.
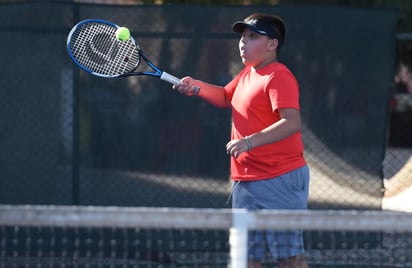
[199, 218]
[237, 221]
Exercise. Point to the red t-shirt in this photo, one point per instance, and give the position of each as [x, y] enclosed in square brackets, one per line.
[255, 97]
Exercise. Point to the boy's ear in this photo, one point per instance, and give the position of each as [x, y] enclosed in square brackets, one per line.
[273, 44]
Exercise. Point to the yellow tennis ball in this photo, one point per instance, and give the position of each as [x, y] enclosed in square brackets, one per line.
[122, 34]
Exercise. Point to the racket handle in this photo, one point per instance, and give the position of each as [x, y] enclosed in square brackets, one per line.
[170, 78]
[176, 81]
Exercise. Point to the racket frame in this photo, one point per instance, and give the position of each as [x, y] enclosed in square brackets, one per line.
[157, 72]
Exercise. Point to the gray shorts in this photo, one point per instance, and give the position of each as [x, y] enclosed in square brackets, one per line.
[289, 191]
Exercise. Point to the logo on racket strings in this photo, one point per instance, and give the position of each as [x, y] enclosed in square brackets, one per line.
[101, 49]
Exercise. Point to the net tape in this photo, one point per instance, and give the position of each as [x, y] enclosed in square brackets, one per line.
[198, 218]
[78, 236]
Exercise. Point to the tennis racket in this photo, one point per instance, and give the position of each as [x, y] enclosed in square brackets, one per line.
[93, 46]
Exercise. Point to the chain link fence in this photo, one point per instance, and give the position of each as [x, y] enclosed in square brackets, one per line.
[70, 138]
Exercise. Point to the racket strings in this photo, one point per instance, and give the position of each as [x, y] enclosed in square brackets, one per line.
[94, 46]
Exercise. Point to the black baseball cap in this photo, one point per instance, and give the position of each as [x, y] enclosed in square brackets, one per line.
[265, 24]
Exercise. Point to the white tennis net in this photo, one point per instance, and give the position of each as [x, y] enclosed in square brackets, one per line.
[78, 236]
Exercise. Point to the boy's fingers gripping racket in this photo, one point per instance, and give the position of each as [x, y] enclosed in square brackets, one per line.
[93, 46]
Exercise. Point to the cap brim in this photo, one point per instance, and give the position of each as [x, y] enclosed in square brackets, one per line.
[239, 27]
[263, 28]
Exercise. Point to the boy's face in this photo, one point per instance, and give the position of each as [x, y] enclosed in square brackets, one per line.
[257, 50]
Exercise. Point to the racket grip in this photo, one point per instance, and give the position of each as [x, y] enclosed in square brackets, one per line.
[170, 78]
[176, 81]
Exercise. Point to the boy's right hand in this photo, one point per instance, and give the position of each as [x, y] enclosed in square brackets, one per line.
[187, 86]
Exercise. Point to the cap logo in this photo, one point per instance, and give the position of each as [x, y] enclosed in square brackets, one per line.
[254, 23]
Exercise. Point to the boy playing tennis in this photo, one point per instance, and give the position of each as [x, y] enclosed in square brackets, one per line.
[267, 163]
